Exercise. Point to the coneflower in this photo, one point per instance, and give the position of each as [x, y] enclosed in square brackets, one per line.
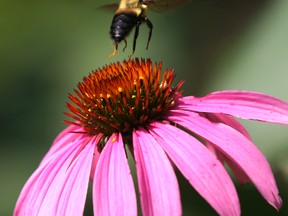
[132, 107]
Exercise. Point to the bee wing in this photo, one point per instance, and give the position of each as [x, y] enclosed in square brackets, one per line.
[127, 3]
[164, 5]
[109, 7]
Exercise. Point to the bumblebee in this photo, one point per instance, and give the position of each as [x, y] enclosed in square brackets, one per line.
[132, 13]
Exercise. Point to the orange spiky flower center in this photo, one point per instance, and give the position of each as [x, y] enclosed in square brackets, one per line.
[122, 97]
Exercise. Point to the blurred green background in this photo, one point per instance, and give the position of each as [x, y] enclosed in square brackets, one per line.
[46, 47]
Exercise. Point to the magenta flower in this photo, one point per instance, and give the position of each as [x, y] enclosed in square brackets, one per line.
[128, 107]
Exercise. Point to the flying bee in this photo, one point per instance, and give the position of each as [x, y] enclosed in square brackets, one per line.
[132, 13]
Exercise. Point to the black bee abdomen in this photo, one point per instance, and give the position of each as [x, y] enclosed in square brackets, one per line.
[121, 26]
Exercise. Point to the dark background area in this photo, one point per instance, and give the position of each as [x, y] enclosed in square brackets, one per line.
[46, 47]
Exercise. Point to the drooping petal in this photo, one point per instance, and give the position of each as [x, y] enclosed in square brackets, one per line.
[66, 137]
[237, 171]
[230, 121]
[70, 130]
[35, 189]
[159, 191]
[94, 162]
[113, 188]
[22, 204]
[236, 147]
[242, 104]
[202, 169]
[69, 188]
[58, 187]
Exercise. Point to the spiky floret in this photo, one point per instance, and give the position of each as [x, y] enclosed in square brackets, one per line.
[121, 97]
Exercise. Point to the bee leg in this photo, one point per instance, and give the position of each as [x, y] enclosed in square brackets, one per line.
[135, 37]
[115, 50]
[125, 41]
[150, 26]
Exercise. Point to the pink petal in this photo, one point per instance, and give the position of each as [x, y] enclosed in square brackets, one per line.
[113, 188]
[157, 182]
[242, 104]
[66, 137]
[237, 171]
[202, 169]
[96, 156]
[230, 121]
[34, 191]
[22, 204]
[68, 190]
[236, 147]
[71, 129]
[58, 187]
